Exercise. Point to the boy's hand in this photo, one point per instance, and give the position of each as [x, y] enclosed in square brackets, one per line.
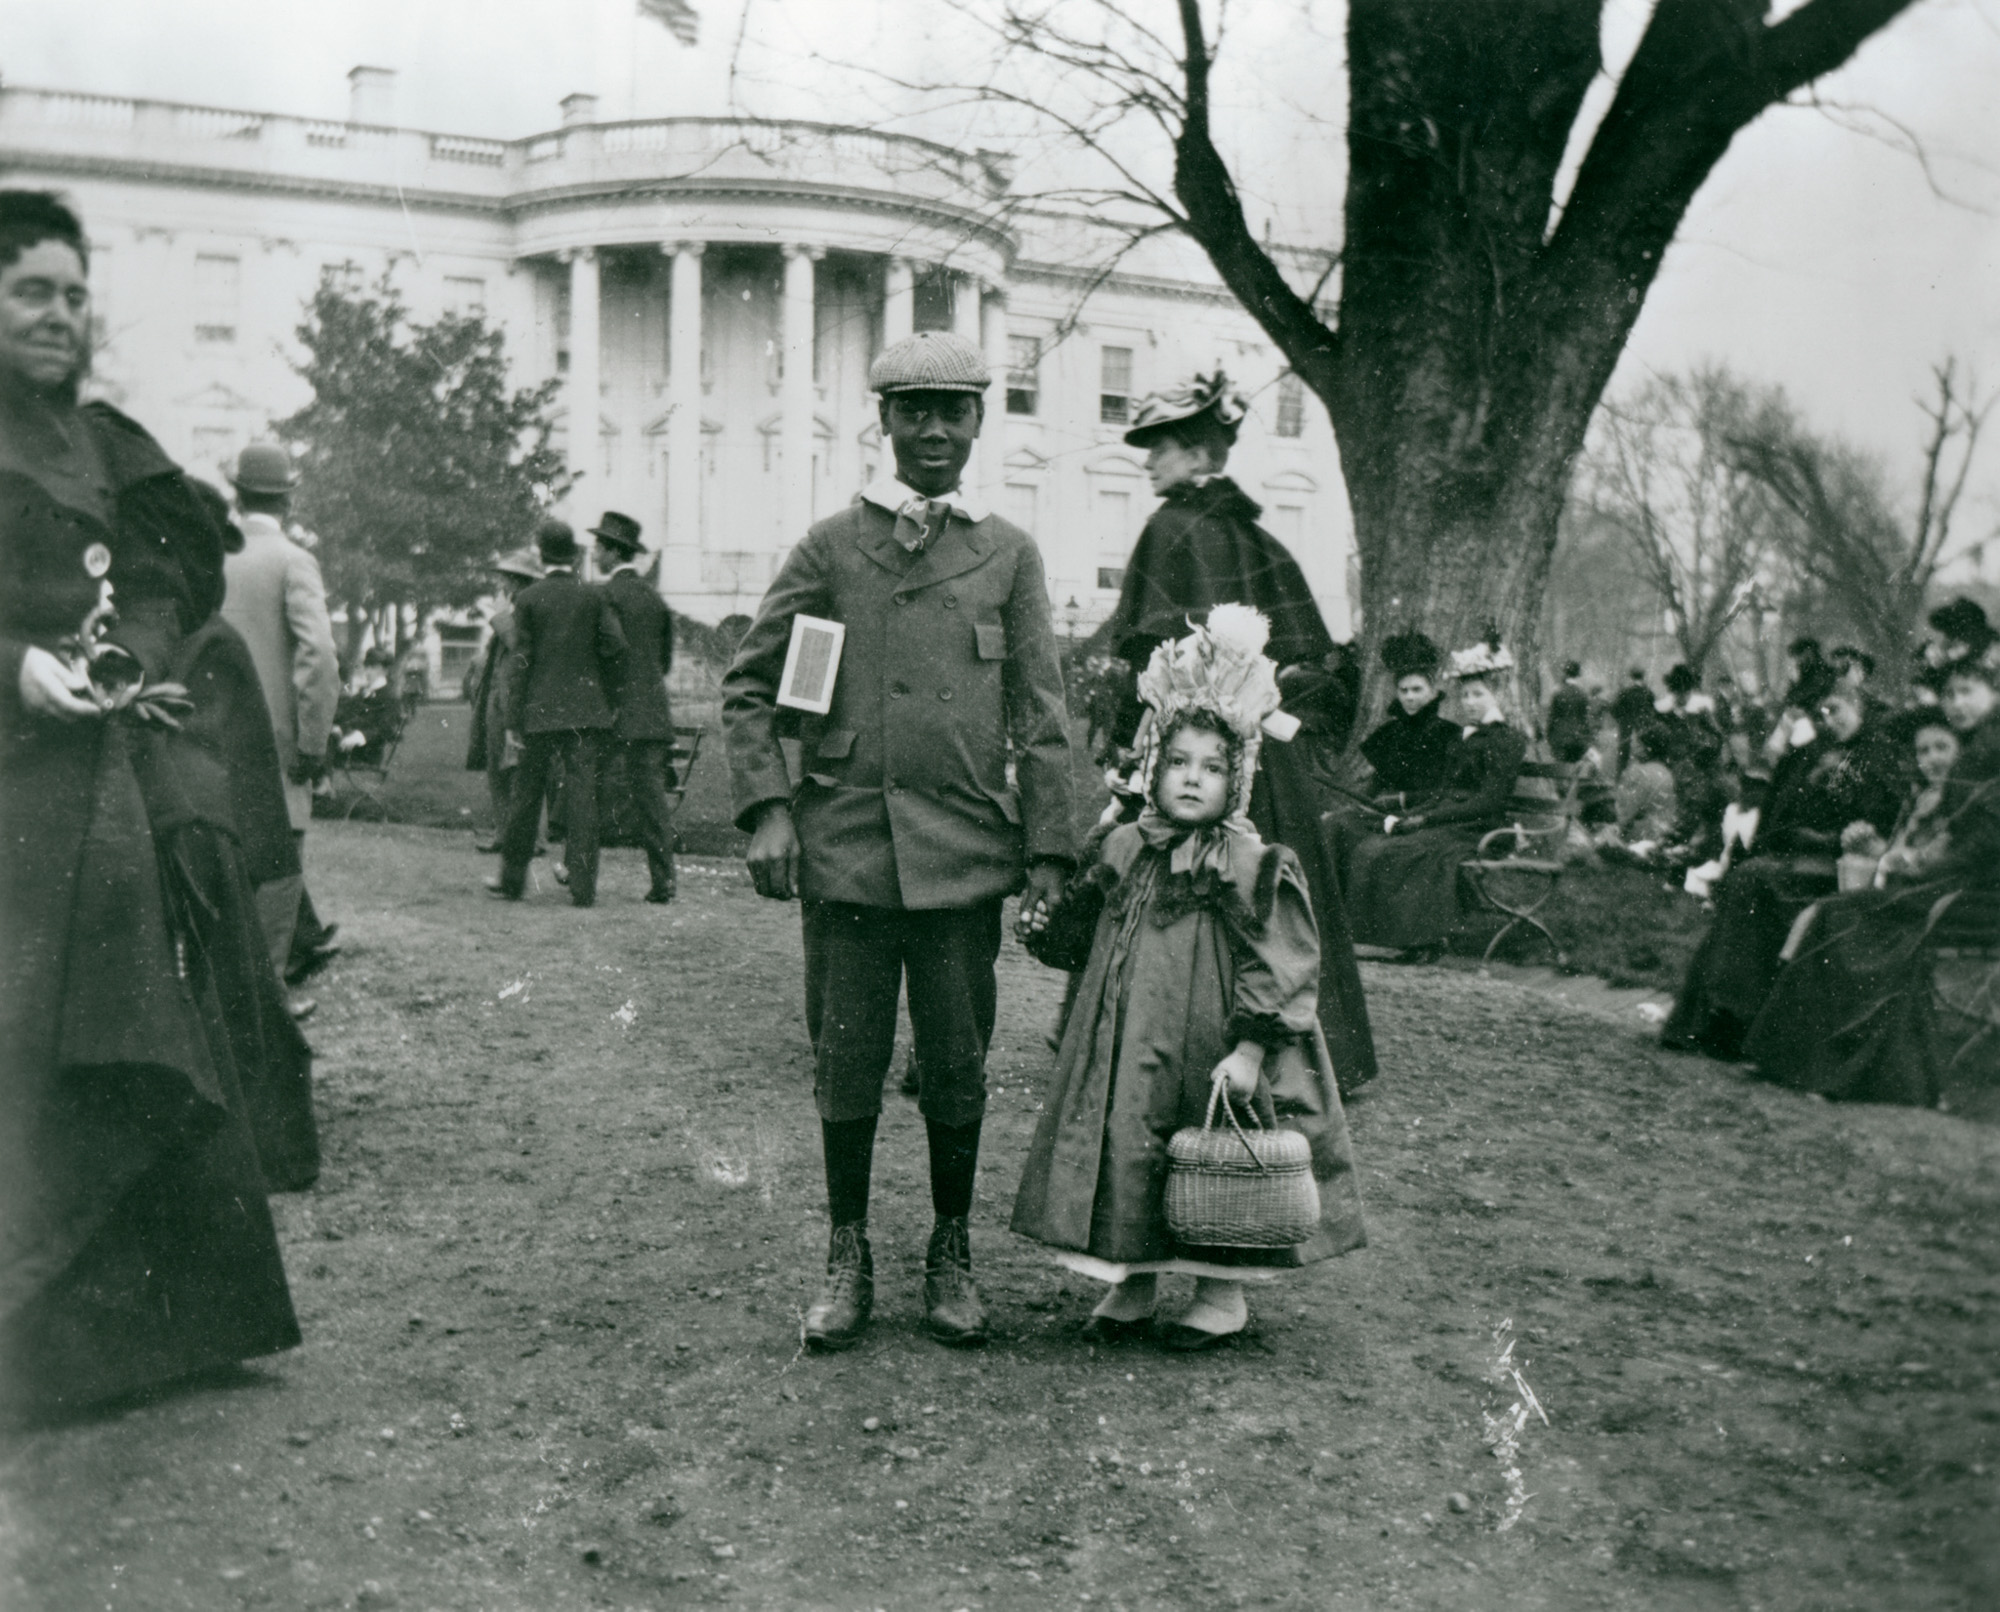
[1241, 1068]
[773, 856]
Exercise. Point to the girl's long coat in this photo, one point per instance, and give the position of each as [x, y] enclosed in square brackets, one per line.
[1180, 969]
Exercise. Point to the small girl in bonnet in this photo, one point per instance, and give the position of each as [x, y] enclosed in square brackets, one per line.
[1200, 965]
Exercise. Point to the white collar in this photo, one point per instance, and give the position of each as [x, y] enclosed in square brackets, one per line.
[895, 495]
[261, 523]
[558, 570]
[620, 570]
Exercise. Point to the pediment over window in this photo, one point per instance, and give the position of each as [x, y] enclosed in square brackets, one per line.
[1290, 481]
[218, 396]
[1117, 464]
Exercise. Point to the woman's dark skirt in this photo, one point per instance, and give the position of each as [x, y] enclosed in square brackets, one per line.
[1285, 807]
[1734, 968]
[1402, 889]
[1853, 1016]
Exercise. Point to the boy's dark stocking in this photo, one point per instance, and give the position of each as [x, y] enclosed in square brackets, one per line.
[849, 1149]
[954, 1161]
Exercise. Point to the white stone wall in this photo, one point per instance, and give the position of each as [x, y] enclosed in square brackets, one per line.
[201, 269]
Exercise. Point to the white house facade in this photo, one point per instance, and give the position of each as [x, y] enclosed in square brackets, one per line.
[709, 291]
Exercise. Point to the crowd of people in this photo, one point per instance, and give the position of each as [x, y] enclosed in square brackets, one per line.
[170, 696]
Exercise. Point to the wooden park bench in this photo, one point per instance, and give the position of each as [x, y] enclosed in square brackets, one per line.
[1515, 869]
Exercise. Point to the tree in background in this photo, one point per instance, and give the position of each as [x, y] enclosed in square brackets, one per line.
[1844, 540]
[420, 462]
[1484, 293]
[1661, 467]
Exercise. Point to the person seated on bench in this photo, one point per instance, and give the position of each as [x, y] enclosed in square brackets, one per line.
[1411, 751]
[1401, 875]
[1836, 772]
[1850, 1015]
[368, 716]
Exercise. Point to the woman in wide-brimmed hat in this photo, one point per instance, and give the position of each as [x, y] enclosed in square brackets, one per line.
[1202, 548]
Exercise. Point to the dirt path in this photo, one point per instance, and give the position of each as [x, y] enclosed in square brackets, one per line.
[552, 1276]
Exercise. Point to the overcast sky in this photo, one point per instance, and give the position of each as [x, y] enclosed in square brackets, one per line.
[1817, 256]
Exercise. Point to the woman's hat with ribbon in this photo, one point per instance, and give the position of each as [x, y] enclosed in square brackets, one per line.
[1208, 399]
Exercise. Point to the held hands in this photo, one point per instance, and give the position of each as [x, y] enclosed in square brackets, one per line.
[773, 857]
[1038, 900]
[51, 686]
[1241, 1068]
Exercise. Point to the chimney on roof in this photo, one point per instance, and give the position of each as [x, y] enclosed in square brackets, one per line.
[371, 95]
[578, 109]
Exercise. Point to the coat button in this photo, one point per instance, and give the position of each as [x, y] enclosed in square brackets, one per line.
[951, 601]
[944, 693]
[897, 691]
[900, 598]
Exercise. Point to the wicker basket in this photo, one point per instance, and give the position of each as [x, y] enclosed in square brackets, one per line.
[1239, 1189]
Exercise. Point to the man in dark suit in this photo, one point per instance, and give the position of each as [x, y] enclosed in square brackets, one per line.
[643, 728]
[570, 652]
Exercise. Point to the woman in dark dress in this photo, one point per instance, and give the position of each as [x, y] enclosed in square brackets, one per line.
[135, 989]
[1843, 774]
[1401, 874]
[1851, 1015]
[1201, 548]
[1411, 752]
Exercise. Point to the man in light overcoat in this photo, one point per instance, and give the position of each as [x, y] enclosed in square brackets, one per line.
[275, 598]
[908, 827]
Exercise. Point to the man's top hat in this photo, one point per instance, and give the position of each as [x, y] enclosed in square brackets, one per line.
[620, 532]
[930, 361]
[521, 563]
[263, 467]
[556, 543]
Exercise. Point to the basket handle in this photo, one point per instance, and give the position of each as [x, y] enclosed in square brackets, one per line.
[1229, 1110]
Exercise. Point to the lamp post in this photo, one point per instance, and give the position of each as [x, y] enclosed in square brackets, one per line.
[1070, 611]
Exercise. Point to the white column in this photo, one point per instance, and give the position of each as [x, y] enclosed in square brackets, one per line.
[797, 395]
[990, 467]
[899, 302]
[680, 565]
[586, 453]
[965, 306]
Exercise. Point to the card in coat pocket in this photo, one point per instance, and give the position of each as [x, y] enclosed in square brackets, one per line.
[812, 662]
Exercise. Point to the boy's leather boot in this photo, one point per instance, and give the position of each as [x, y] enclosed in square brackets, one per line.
[840, 1314]
[953, 1309]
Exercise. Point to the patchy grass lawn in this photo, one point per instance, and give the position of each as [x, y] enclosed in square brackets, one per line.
[551, 1283]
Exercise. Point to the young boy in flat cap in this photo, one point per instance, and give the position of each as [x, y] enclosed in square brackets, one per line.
[905, 833]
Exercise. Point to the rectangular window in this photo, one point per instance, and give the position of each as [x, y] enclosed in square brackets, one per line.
[464, 294]
[1291, 406]
[218, 284]
[1114, 386]
[1024, 383]
[1111, 577]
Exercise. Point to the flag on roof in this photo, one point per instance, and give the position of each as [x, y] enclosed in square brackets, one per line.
[677, 16]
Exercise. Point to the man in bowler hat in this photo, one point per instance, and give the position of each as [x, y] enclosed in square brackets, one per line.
[906, 831]
[643, 727]
[570, 653]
